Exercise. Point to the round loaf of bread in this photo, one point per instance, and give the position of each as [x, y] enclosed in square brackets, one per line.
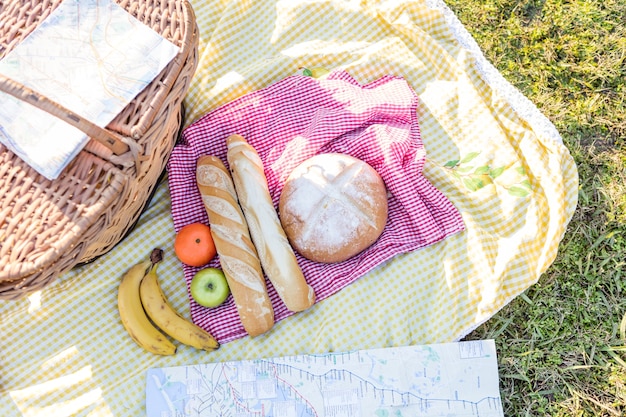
[332, 207]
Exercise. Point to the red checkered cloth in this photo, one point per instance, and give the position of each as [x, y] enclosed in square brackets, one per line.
[294, 119]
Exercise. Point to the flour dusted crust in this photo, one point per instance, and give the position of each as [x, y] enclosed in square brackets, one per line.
[238, 256]
[275, 253]
[332, 207]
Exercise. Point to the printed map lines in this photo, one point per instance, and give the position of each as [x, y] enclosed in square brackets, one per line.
[432, 381]
[292, 388]
[386, 396]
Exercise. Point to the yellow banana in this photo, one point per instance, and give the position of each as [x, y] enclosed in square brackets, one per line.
[169, 320]
[134, 317]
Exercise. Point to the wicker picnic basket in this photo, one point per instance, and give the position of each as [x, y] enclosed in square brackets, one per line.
[47, 227]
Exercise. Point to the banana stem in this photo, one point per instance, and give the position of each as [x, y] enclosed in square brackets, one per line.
[156, 256]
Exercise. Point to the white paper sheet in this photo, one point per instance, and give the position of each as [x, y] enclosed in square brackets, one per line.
[90, 56]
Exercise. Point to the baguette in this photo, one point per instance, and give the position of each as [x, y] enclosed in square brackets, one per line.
[275, 252]
[238, 257]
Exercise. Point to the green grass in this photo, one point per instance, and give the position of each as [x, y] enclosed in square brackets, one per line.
[562, 344]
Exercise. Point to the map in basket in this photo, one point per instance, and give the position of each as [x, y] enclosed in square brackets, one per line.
[90, 56]
[450, 379]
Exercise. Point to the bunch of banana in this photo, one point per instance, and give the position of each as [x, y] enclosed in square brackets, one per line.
[144, 310]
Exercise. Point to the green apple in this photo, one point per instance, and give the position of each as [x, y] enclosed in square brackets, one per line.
[209, 287]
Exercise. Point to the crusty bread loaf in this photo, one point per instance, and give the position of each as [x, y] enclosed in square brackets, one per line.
[276, 254]
[237, 254]
[332, 207]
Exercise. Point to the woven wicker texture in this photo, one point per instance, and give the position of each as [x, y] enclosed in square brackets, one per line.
[48, 227]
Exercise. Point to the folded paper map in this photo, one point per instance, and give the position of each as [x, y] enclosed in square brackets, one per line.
[449, 379]
[89, 56]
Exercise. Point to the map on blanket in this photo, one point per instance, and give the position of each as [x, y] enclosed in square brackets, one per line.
[450, 379]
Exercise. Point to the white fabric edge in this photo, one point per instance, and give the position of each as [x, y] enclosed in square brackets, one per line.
[525, 108]
[518, 101]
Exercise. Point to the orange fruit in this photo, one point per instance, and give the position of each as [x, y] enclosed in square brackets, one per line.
[194, 244]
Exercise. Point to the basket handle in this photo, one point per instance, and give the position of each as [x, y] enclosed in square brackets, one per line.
[23, 93]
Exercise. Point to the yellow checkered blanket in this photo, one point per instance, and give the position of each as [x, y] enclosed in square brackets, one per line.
[489, 150]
